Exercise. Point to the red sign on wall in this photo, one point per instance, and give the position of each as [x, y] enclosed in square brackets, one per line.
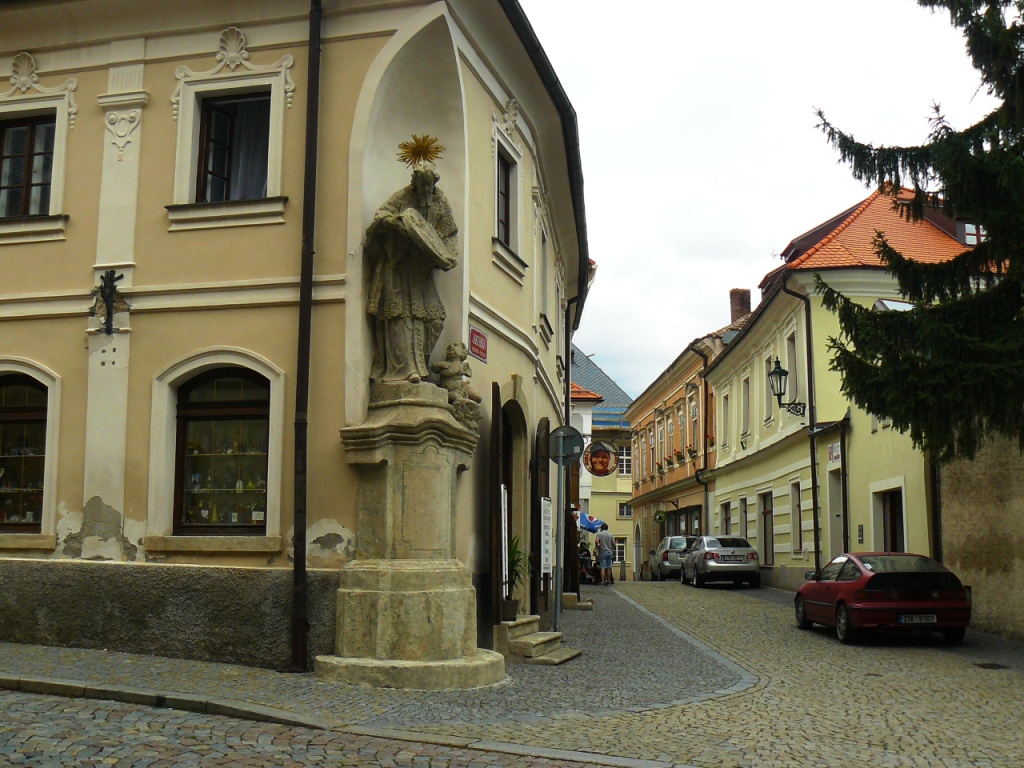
[478, 344]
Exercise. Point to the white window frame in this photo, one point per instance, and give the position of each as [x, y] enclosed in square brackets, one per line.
[620, 548]
[625, 460]
[193, 88]
[793, 364]
[796, 518]
[20, 103]
[625, 510]
[723, 427]
[163, 434]
[745, 412]
[769, 400]
[506, 257]
[47, 536]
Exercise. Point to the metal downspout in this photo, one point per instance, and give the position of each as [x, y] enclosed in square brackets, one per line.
[844, 480]
[300, 623]
[812, 421]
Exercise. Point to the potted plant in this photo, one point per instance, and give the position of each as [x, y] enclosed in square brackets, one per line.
[518, 570]
[679, 454]
[711, 442]
[691, 450]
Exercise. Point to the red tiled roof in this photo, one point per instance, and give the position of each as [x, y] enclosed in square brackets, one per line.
[579, 393]
[851, 243]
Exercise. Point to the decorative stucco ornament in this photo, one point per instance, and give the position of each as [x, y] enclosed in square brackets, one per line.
[232, 48]
[24, 72]
[24, 78]
[232, 53]
[510, 117]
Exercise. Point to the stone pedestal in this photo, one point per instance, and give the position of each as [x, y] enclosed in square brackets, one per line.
[406, 606]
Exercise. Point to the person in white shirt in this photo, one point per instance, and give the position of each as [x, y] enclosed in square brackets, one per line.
[606, 550]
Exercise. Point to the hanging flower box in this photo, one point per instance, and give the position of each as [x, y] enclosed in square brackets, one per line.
[668, 460]
[679, 454]
[691, 450]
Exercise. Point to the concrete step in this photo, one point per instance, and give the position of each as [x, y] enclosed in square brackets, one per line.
[562, 655]
[524, 625]
[535, 644]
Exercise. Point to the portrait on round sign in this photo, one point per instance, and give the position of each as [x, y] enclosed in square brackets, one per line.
[600, 459]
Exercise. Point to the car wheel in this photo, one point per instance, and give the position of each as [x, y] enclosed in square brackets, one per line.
[954, 635]
[846, 633]
[682, 575]
[698, 579]
[802, 622]
[755, 580]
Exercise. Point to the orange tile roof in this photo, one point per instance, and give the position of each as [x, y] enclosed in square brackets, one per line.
[851, 243]
[579, 393]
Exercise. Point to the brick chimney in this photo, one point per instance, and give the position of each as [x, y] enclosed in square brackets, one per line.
[739, 303]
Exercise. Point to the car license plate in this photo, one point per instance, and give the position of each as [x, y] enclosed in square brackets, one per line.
[733, 558]
[917, 618]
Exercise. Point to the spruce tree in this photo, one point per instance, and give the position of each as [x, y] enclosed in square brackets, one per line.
[950, 371]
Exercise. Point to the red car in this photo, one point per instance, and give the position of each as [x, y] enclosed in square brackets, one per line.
[884, 591]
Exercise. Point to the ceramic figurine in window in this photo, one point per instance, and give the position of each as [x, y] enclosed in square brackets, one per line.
[411, 235]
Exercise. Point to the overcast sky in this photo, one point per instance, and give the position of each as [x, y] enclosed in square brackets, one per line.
[700, 156]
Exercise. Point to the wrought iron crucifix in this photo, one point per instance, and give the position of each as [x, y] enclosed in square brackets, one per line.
[108, 292]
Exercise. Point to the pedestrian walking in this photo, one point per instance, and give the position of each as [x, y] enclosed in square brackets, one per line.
[605, 549]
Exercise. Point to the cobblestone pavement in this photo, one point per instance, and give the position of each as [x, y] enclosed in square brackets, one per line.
[633, 674]
[753, 691]
[51, 731]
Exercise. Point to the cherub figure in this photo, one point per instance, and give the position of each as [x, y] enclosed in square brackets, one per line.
[461, 394]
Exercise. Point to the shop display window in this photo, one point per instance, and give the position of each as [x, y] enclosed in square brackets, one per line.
[221, 454]
[22, 453]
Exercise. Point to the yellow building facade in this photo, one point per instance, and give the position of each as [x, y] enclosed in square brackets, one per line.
[813, 476]
[149, 315]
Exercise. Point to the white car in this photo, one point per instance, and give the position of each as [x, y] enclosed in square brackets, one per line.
[667, 560]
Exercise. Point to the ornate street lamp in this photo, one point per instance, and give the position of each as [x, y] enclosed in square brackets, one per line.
[777, 378]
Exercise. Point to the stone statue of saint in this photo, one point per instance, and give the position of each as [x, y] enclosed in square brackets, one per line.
[412, 234]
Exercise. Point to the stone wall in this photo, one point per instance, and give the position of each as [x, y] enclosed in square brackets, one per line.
[983, 534]
[233, 615]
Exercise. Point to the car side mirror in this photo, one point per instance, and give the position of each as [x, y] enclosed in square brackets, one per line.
[651, 552]
[811, 575]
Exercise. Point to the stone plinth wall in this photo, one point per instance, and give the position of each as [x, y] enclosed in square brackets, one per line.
[983, 534]
[233, 615]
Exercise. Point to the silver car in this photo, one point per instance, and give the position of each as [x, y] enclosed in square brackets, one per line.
[666, 561]
[721, 558]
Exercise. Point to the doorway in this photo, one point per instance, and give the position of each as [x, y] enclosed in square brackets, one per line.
[894, 539]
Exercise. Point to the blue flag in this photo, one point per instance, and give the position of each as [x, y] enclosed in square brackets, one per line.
[589, 523]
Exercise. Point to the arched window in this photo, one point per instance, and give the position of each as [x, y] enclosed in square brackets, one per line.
[221, 465]
[22, 453]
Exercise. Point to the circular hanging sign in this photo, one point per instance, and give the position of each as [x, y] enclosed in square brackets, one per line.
[600, 458]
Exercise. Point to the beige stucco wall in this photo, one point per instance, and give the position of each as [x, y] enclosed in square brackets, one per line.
[236, 287]
[982, 531]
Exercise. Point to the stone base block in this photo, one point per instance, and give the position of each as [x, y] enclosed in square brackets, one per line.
[411, 610]
[482, 668]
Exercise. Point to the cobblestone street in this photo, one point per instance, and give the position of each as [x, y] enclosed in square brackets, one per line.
[672, 674]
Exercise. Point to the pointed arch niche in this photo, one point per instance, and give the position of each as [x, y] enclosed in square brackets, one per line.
[414, 86]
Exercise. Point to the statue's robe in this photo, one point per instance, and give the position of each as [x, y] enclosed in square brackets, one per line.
[403, 252]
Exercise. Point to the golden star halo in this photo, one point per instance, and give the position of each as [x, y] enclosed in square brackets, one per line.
[423, 147]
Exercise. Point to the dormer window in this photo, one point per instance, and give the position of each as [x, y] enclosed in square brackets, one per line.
[974, 234]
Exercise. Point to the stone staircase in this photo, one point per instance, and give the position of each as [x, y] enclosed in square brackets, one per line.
[522, 641]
